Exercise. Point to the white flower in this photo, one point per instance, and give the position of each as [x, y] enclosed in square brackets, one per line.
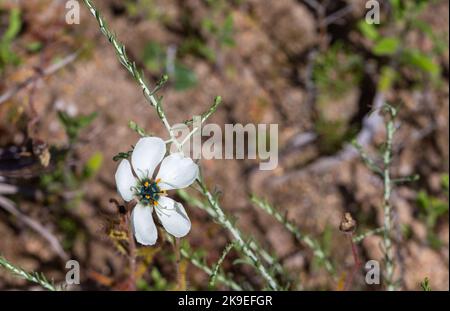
[175, 172]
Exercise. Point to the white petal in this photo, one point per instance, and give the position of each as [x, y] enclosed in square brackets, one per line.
[177, 172]
[125, 180]
[147, 154]
[173, 217]
[143, 225]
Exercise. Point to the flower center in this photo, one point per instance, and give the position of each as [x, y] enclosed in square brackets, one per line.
[148, 192]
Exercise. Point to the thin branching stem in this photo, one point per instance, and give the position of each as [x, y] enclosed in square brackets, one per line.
[252, 246]
[222, 219]
[133, 70]
[220, 277]
[361, 237]
[387, 209]
[34, 277]
[156, 103]
[265, 255]
[314, 245]
[215, 270]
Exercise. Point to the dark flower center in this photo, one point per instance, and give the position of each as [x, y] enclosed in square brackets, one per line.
[148, 192]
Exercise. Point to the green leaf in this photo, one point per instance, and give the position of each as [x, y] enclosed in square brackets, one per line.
[184, 77]
[196, 46]
[15, 25]
[74, 124]
[226, 37]
[386, 46]
[122, 155]
[34, 47]
[7, 55]
[425, 285]
[423, 200]
[153, 57]
[422, 61]
[445, 182]
[93, 165]
[135, 127]
[369, 31]
[84, 120]
[387, 78]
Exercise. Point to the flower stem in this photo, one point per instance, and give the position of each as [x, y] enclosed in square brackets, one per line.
[156, 103]
[132, 253]
[237, 236]
[387, 209]
[357, 261]
[176, 246]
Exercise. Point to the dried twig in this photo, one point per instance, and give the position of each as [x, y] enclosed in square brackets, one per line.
[11, 208]
[334, 17]
[38, 75]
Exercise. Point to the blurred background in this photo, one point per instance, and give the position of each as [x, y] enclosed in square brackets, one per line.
[315, 68]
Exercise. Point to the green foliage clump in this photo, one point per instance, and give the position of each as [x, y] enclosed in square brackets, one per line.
[74, 124]
[432, 209]
[425, 285]
[215, 32]
[332, 134]
[63, 184]
[155, 60]
[337, 71]
[418, 65]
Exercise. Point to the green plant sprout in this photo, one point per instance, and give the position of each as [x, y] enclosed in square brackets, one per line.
[425, 285]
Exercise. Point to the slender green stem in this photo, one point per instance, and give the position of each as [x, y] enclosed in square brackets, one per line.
[156, 103]
[132, 69]
[370, 163]
[361, 237]
[237, 235]
[220, 277]
[265, 255]
[387, 209]
[34, 277]
[292, 228]
[215, 271]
